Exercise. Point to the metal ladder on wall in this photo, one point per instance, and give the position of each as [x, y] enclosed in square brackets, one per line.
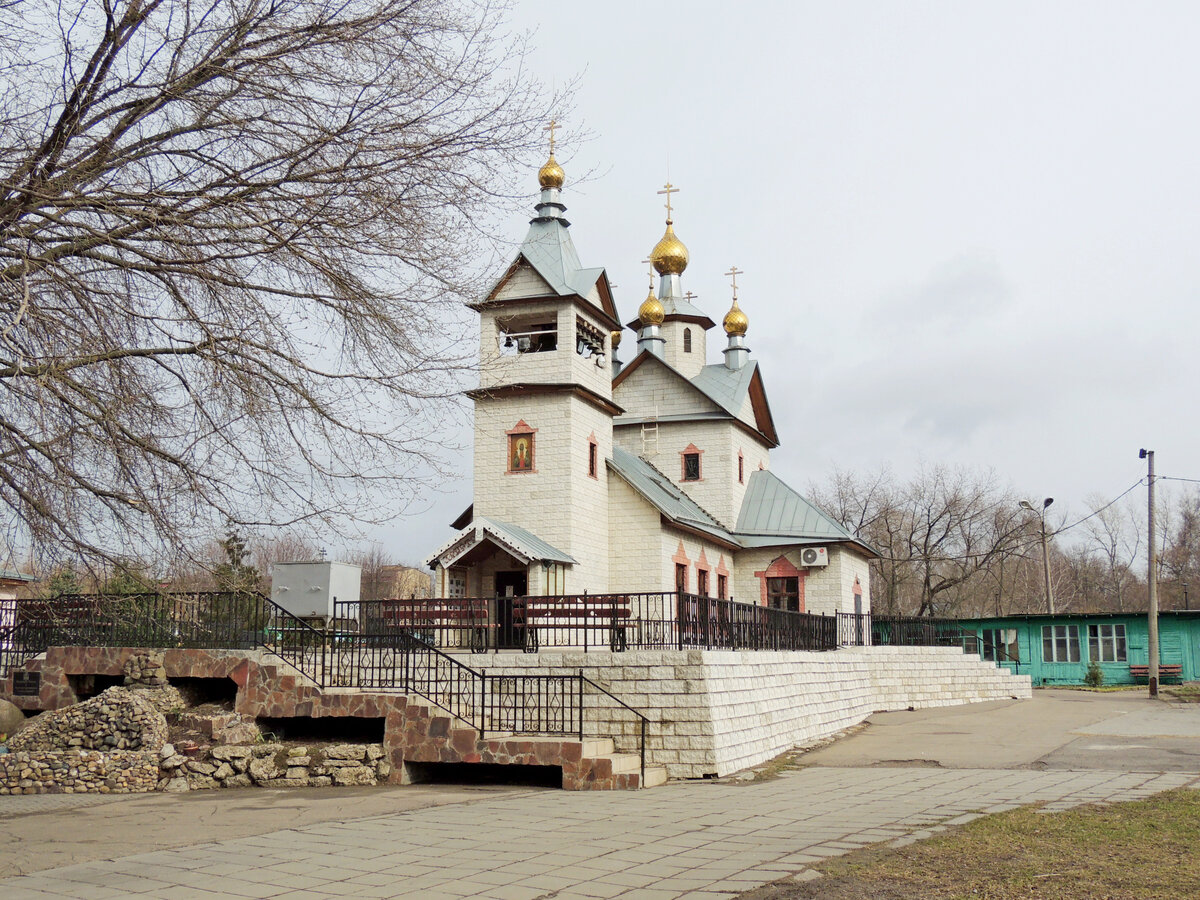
[650, 435]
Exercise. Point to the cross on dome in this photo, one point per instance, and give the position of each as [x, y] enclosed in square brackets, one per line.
[733, 273]
[669, 189]
[550, 128]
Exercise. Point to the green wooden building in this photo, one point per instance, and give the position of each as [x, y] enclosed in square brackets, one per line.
[1057, 648]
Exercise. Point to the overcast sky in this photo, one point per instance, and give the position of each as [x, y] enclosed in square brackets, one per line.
[969, 230]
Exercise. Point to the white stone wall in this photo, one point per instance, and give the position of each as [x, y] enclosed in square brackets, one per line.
[827, 589]
[558, 502]
[689, 364]
[651, 387]
[830, 589]
[717, 712]
[699, 553]
[635, 538]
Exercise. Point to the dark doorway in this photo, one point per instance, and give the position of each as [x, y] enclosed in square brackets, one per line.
[510, 610]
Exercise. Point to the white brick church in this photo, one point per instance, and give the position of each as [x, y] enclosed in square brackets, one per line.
[593, 476]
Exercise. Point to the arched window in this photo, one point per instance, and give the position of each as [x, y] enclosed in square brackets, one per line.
[687, 340]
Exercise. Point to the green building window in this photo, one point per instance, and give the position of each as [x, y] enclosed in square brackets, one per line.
[1000, 645]
[1106, 643]
[1060, 643]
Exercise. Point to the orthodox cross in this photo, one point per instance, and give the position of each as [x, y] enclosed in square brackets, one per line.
[733, 273]
[689, 296]
[550, 128]
[650, 271]
[669, 189]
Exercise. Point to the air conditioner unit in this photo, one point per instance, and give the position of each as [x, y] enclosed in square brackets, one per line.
[814, 556]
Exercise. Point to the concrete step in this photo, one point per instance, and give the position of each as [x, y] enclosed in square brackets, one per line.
[655, 775]
[623, 763]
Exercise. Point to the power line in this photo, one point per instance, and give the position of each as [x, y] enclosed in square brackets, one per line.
[1176, 478]
[1097, 512]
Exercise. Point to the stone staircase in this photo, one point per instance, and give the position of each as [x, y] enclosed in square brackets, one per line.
[429, 734]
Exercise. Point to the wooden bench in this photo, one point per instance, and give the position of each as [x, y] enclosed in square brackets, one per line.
[1165, 670]
[605, 618]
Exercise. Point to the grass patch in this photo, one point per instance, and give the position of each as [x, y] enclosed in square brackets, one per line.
[1189, 692]
[1100, 689]
[1143, 850]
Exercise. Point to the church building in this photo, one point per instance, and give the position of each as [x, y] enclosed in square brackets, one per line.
[653, 476]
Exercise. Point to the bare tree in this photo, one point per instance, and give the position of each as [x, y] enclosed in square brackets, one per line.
[1114, 535]
[940, 537]
[233, 234]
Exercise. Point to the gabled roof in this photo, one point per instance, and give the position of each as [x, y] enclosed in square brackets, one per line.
[549, 251]
[510, 537]
[771, 509]
[772, 513]
[727, 388]
[662, 494]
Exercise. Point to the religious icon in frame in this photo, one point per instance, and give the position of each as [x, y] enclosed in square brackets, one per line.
[520, 452]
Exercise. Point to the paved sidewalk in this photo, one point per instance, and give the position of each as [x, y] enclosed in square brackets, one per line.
[697, 840]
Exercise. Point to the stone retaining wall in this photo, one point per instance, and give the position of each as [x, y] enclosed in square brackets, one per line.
[273, 765]
[717, 712]
[711, 712]
[78, 772]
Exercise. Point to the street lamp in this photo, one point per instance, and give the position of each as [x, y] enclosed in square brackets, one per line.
[1025, 504]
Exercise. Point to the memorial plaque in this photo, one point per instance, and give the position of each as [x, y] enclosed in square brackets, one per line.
[27, 684]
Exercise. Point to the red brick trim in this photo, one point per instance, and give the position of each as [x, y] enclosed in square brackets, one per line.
[690, 449]
[781, 567]
[593, 457]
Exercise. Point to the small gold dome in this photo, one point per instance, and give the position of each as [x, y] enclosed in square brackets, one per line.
[651, 311]
[669, 255]
[735, 321]
[616, 339]
[551, 174]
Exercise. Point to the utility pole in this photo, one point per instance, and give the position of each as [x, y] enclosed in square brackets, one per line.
[1046, 567]
[1151, 575]
[1025, 504]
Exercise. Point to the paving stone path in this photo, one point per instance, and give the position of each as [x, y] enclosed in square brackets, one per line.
[694, 840]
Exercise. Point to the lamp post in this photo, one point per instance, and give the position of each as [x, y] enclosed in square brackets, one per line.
[1151, 574]
[1025, 504]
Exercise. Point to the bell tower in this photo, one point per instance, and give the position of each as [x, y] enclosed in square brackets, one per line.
[544, 408]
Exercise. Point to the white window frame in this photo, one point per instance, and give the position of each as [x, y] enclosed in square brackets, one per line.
[1063, 643]
[1106, 643]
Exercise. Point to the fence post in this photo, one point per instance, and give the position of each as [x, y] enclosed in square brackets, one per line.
[581, 704]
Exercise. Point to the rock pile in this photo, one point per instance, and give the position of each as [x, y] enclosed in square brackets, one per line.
[118, 719]
[78, 772]
[273, 765]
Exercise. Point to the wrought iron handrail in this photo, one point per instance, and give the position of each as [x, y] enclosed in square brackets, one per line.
[644, 721]
[614, 621]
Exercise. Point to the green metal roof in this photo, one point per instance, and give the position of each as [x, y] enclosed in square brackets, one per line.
[527, 542]
[772, 513]
[662, 494]
[771, 509]
[726, 387]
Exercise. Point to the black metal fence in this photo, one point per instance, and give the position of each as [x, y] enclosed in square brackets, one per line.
[861, 629]
[398, 660]
[617, 622]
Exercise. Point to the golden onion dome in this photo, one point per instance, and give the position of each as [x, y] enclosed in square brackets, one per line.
[670, 256]
[616, 339]
[735, 321]
[551, 174]
[651, 311]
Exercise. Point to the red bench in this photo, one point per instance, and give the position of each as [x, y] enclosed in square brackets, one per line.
[1165, 670]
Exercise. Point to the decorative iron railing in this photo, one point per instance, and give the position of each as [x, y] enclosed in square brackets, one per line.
[617, 622]
[395, 660]
[860, 629]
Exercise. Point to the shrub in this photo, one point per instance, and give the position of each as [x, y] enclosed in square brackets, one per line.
[1094, 677]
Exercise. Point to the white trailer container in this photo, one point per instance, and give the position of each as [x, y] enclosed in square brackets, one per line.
[308, 590]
